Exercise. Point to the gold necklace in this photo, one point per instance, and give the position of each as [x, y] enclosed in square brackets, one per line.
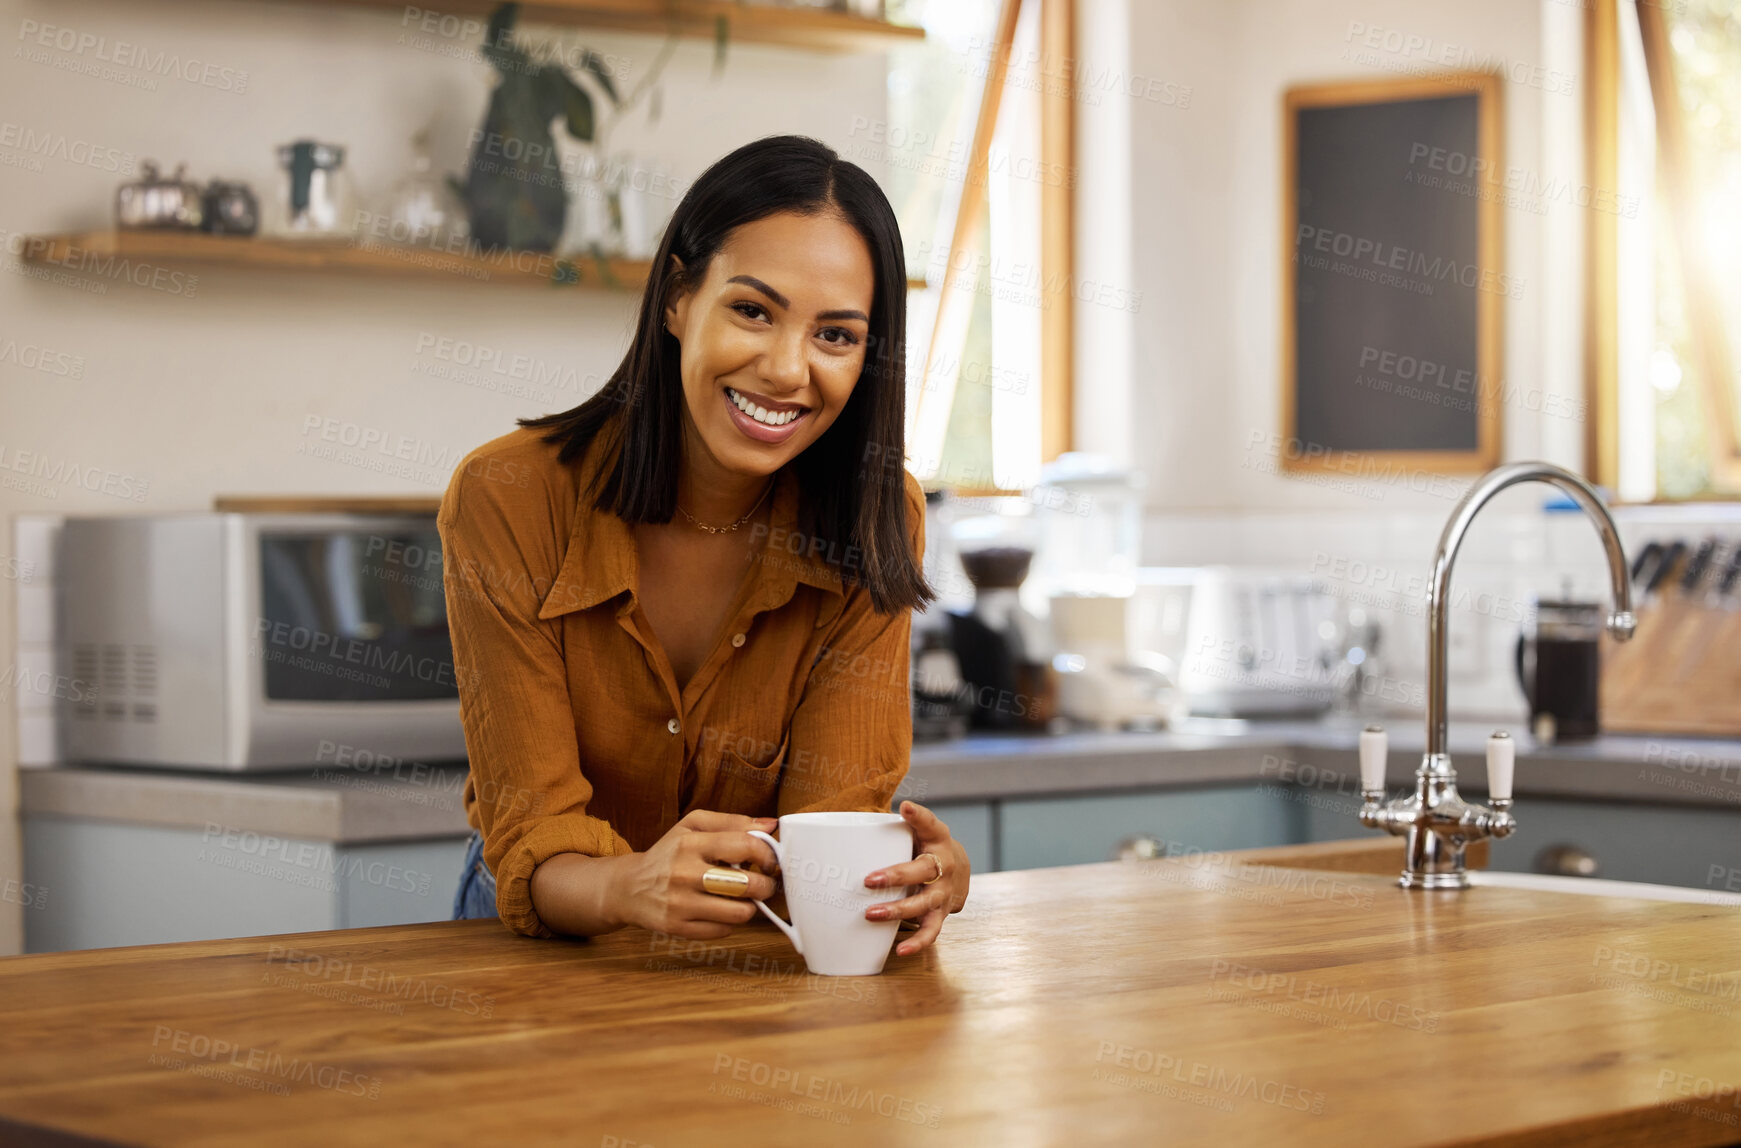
[700, 525]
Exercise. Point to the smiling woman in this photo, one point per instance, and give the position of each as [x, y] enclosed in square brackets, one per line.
[721, 550]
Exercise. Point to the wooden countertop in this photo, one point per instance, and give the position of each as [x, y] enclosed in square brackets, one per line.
[1196, 1001]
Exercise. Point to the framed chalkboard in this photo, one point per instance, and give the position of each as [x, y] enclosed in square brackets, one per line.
[1394, 288]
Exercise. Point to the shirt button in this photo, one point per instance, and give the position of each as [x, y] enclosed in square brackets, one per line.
[673, 725]
[737, 640]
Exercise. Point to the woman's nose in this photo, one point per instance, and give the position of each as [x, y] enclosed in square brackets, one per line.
[783, 364]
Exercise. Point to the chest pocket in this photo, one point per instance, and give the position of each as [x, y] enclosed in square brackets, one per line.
[740, 776]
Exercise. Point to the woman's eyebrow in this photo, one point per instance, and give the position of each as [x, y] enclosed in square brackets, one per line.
[752, 281]
[781, 300]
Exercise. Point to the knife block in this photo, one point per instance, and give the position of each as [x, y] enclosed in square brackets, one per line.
[1680, 673]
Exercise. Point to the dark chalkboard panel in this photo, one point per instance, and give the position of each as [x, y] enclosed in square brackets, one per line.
[1394, 286]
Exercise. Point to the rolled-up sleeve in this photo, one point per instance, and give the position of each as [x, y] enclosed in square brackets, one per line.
[852, 734]
[528, 796]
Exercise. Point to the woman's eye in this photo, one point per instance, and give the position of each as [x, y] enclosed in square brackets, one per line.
[749, 310]
[839, 337]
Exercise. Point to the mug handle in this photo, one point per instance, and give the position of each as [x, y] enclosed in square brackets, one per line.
[1524, 645]
[791, 933]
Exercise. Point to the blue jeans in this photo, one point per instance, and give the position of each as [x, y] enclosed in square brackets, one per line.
[476, 895]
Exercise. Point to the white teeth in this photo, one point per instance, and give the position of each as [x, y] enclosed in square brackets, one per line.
[761, 415]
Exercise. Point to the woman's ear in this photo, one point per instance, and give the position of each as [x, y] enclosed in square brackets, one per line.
[677, 310]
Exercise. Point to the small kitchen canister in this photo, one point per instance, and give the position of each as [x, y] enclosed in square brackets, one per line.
[155, 202]
[230, 208]
[315, 198]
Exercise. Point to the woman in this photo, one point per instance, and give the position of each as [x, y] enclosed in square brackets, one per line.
[682, 608]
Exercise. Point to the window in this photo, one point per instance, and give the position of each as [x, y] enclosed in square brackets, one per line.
[1666, 125]
[977, 149]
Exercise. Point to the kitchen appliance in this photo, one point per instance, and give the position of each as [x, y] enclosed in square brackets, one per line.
[941, 701]
[1558, 670]
[153, 202]
[941, 706]
[1003, 650]
[1101, 681]
[245, 641]
[1088, 513]
[315, 197]
[1159, 616]
[1260, 643]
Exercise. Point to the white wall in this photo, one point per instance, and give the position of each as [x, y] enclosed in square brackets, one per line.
[206, 392]
[1206, 211]
[1202, 185]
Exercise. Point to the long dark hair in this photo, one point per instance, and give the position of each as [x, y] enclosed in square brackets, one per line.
[851, 480]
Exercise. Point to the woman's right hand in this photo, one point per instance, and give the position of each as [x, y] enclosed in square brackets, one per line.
[661, 889]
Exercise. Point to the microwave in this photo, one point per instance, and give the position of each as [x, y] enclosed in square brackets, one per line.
[253, 641]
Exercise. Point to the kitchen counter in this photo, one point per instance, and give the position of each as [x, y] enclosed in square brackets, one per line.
[1197, 1001]
[413, 801]
[410, 802]
[1684, 771]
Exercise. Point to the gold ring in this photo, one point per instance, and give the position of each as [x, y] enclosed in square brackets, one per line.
[935, 862]
[726, 882]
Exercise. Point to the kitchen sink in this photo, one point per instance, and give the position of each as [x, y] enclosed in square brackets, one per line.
[1597, 887]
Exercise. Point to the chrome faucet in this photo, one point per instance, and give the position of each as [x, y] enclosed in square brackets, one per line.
[1439, 824]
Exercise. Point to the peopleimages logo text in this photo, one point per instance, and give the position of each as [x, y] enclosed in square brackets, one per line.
[69, 149]
[1390, 257]
[357, 651]
[122, 54]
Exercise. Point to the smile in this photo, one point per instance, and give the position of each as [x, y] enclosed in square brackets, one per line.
[758, 422]
[773, 418]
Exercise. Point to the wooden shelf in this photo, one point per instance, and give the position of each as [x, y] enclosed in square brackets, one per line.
[78, 250]
[396, 504]
[816, 29]
[94, 250]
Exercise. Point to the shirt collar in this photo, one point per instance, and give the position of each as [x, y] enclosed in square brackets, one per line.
[793, 555]
[600, 563]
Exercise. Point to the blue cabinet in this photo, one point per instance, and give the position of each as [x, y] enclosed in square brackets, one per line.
[1660, 844]
[109, 883]
[1035, 833]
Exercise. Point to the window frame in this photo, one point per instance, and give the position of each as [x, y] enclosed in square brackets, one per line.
[1712, 368]
[1057, 31]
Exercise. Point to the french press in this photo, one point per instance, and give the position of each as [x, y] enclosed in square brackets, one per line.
[1559, 669]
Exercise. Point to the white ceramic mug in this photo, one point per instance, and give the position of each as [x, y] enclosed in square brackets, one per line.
[824, 859]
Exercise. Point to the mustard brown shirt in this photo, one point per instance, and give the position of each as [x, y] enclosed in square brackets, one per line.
[579, 739]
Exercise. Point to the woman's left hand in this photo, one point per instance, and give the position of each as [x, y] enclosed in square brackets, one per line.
[931, 903]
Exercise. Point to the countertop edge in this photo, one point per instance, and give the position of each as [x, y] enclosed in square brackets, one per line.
[356, 807]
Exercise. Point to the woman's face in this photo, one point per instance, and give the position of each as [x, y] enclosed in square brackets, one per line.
[774, 338]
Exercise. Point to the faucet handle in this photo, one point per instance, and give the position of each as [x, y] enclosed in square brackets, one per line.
[1374, 750]
[1501, 760]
